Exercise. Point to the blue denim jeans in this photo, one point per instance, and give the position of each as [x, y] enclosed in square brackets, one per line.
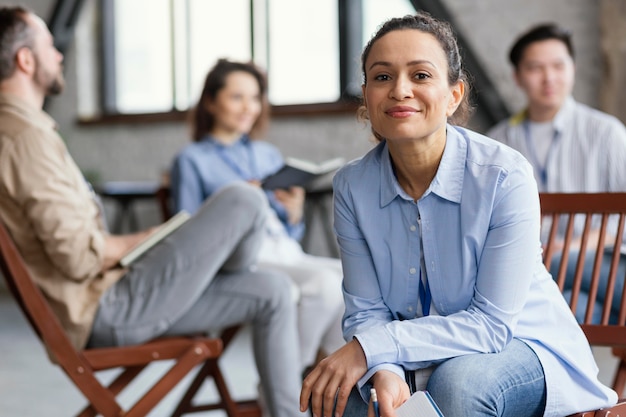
[506, 384]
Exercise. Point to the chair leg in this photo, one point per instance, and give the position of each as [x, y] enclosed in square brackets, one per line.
[194, 356]
[211, 369]
[184, 405]
[619, 380]
[233, 409]
[116, 386]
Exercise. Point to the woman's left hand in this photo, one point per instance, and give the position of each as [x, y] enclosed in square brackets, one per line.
[293, 201]
[392, 392]
[335, 375]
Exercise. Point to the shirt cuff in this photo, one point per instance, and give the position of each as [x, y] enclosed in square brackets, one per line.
[376, 342]
[364, 385]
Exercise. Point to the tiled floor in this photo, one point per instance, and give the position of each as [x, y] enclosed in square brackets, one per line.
[30, 386]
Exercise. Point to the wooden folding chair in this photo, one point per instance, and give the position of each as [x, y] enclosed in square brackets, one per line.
[81, 366]
[164, 199]
[561, 212]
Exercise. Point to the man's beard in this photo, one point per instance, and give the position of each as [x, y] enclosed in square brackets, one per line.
[55, 86]
[50, 83]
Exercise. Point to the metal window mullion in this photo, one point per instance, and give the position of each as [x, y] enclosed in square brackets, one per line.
[109, 78]
[350, 42]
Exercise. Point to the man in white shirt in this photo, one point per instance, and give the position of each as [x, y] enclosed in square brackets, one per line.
[572, 147]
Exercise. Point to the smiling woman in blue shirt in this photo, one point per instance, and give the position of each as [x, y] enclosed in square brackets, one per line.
[444, 284]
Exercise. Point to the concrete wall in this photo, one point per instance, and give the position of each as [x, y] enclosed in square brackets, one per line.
[613, 45]
[491, 27]
[143, 151]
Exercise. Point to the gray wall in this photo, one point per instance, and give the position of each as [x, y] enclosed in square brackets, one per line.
[491, 27]
[142, 152]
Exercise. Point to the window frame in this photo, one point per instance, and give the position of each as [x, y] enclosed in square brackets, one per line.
[350, 27]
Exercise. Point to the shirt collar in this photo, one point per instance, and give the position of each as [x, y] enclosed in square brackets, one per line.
[561, 119]
[564, 115]
[245, 140]
[448, 181]
[34, 115]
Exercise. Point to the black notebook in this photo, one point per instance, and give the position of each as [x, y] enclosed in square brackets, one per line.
[298, 172]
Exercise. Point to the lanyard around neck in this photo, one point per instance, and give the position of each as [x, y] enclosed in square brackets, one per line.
[424, 289]
[425, 296]
[224, 153]
[542, 168]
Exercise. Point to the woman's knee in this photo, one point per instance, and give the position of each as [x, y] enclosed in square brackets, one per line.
[457, 375]
[489, 383]
[457, 386]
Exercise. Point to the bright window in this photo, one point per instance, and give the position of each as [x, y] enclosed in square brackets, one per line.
[303, 65]
[158, 61]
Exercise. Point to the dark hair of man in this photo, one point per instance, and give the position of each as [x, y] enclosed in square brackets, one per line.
[14, 34]
[203, 121]
[442, 31]
[540, 33]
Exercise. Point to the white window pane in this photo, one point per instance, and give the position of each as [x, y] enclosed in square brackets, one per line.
[303, 51]
[181, 56]
[376, 12]
[143, 56]
[216, 32]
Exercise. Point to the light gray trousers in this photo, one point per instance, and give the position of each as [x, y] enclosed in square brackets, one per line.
[199, 279]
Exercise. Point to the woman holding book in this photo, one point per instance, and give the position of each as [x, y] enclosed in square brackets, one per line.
[438, 229]
[232, 107]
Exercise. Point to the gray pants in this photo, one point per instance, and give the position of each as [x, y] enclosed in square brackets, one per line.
[200, 279]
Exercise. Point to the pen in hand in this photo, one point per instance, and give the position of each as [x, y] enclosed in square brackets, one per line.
[375, 402]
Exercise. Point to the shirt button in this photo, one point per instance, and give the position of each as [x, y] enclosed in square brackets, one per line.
[412, 270]
[410, 309]
[413, 228]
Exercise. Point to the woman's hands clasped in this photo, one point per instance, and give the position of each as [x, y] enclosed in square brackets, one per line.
[334, 377]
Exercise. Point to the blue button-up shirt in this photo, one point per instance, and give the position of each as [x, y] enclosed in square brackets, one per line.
[480, 223]
[202, 168]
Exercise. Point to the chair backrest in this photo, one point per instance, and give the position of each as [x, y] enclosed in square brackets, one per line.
[601, 216]
[165, 204]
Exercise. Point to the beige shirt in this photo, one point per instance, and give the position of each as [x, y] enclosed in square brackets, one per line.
[50, 212]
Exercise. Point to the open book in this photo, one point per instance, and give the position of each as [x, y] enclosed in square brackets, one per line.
[298, 172]
[419, 404]
[162, 232]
